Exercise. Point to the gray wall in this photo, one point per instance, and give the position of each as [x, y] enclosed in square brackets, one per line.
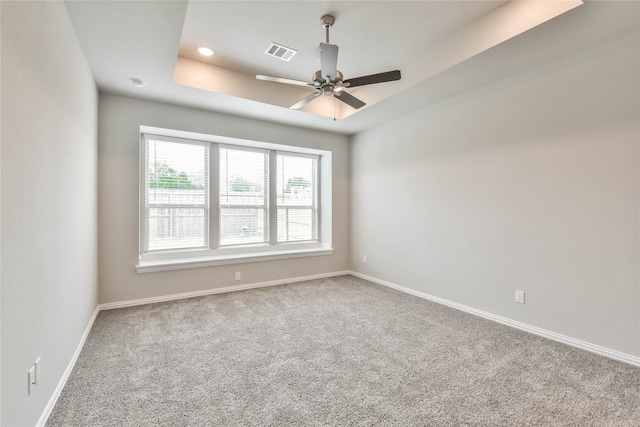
[49, 202]
[120, 119]
[529, 183]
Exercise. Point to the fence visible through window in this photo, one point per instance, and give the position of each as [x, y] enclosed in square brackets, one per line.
[243, 220]
[176, 218]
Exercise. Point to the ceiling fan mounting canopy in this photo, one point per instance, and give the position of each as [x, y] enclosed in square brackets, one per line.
[327, 21]
[328, 80]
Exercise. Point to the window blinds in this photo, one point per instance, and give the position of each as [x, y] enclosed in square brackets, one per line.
[244, 217]
[176, 195]
[297, 195]
[263, 196]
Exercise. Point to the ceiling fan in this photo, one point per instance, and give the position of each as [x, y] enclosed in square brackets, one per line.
[328, 80]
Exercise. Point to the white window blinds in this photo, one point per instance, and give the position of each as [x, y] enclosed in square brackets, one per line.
[175, 194]
[297, 197]
[244, 215]
[204, 198]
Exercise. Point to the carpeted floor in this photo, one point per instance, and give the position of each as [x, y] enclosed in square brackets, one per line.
[333, 352]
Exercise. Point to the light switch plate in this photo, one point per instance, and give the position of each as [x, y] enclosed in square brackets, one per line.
[31, 379]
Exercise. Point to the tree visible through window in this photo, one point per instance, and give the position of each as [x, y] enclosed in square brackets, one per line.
[167, 177]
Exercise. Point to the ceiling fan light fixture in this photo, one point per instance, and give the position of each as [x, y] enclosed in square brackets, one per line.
[281, 52]
[328, 90]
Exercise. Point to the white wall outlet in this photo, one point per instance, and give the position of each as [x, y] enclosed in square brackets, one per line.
[520, 297]
[238, 275]
[364, 259]
[95, 288]
[31, 379]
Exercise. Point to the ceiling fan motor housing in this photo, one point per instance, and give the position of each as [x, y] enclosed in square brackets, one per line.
[319, 80]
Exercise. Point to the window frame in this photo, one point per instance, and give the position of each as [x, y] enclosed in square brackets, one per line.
[316, 199]
[267, 204]
[143, 234]
[214, 254]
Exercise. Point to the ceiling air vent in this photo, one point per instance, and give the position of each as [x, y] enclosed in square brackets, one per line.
[281, 52]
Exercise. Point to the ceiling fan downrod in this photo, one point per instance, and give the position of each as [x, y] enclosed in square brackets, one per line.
[327, 22]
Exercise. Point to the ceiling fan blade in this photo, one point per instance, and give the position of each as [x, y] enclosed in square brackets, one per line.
[305, 101]
[389, 76]
[328, 60]
[349, 99]
[283, 80]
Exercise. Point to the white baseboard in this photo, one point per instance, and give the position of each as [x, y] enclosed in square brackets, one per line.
[65, 376]
[603, 351]
[163, 298]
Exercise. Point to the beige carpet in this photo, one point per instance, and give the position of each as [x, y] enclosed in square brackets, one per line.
[333, 352]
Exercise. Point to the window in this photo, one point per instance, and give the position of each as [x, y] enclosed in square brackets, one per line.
[244, 206]
[209, 200]
[176, 196]
[297, 197]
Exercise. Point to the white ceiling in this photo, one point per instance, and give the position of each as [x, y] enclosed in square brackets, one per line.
[373, 36]
[442, 48]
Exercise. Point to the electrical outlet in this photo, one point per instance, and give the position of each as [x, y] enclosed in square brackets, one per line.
[364, 259]
[95, 288]
[237, 275]
[520, 297]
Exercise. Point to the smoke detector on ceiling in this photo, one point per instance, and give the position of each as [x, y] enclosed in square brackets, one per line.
[281, 52]
[137, 82]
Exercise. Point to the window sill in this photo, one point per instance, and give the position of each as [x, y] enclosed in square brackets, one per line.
[237, 258]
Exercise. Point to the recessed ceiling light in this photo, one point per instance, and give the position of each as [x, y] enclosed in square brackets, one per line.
[137, 82]
[205, 51]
